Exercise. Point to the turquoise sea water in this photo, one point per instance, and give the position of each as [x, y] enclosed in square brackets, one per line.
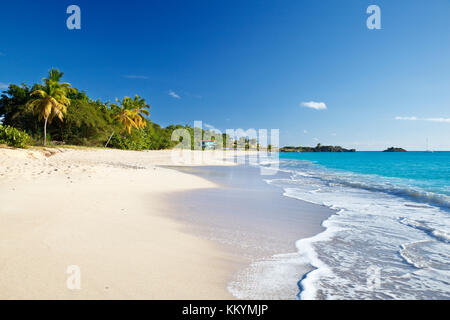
[430, 171]
[390, 236]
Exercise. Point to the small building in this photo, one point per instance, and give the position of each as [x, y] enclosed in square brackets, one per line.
[208, 144]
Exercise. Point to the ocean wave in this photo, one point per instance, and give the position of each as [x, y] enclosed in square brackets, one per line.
[368, 183]
[373, 220]
[407, 253]
[381, 223]
[423, 226]
[308, 285]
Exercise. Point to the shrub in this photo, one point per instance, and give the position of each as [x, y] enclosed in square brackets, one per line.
[137, 140]
[13, 137]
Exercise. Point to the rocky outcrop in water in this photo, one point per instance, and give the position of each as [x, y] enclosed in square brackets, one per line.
[393, 149]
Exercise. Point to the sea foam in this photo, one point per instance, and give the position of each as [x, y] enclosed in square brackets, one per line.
[383, 228]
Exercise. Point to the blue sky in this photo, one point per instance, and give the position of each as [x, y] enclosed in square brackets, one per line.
[251, 64]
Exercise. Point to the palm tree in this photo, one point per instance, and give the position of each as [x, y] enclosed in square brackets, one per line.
[50, 100]
[54, 75]
[130, 114]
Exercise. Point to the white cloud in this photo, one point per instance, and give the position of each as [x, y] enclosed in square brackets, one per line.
[315, 139]
[438, 120]
[4, 85]
[406, 118]
[314, 105]
[445, 120]
[174, 95]
[134, 76]
[305, 131]
[334, 134]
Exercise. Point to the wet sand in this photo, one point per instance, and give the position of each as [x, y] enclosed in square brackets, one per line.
[254, 222]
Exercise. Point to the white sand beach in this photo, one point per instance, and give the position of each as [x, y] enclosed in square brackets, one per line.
[101, 210]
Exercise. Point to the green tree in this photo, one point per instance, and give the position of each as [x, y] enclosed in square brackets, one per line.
[130, 113]
[13, 109]
[50, 100]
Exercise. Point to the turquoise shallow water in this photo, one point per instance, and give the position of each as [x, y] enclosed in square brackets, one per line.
[430, 171]
[392, 223]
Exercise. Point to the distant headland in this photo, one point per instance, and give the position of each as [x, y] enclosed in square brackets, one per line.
[318, 148]
[393, 149]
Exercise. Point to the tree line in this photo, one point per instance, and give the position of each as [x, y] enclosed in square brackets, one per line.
[53, 112]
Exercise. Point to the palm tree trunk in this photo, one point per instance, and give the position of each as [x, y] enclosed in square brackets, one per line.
[109, 139]
[45, 131]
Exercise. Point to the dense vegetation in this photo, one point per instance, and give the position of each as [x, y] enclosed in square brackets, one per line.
[13, 137]
[55, 113]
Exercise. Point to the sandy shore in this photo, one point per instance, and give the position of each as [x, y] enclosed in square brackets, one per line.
[255, 221]
[104, 211]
